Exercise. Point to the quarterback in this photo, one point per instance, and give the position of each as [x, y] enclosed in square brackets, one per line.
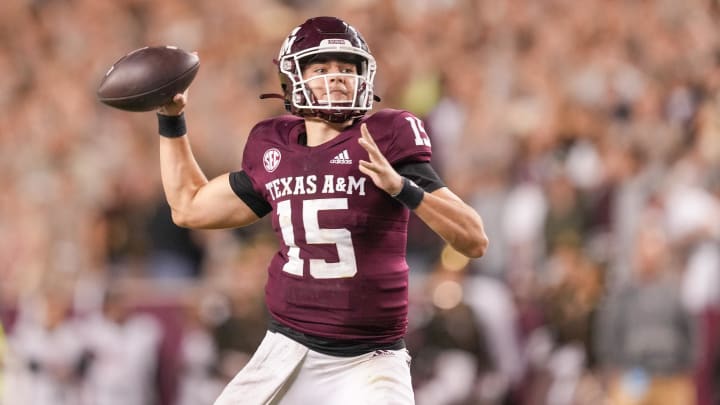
[339, 186]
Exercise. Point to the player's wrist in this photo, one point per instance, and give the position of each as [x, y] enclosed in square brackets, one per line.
[411, 195]
[396, 185]
[171, 126]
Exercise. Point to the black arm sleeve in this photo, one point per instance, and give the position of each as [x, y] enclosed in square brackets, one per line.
[422, 174]
[242, 186]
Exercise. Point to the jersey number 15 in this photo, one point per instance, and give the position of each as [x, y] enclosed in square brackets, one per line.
[340, 237]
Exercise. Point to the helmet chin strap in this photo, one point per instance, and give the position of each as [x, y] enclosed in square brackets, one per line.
[271, 95]
[288, 107]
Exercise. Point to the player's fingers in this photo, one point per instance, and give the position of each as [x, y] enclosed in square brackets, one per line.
[365, 144]
[372, 151]
[366, 135]
[364, 164]
[368, 172]
[371, 148]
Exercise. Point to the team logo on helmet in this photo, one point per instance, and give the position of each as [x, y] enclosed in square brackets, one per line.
[271, 159]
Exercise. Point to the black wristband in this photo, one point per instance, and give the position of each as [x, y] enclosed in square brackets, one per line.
[172, 126]
[410, 194]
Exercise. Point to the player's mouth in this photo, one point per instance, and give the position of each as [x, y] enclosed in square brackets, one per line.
[336, 95]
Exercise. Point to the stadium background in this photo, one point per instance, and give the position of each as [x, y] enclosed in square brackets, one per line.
[570, 126]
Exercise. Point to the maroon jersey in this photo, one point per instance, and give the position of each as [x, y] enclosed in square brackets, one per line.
[340, 272]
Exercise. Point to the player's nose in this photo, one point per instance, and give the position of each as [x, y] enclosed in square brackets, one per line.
[336, 77]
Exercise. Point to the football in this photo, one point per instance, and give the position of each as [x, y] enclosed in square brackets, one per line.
[148, 78]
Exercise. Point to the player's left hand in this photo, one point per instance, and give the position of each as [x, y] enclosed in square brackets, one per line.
[378, 168]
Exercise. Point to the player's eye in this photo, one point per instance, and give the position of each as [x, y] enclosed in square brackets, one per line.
[346, 68]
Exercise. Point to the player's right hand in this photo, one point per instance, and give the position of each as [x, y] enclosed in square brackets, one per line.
[176, 106]
[377, 166]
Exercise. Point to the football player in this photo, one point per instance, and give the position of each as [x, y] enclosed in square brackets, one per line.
[339, 186]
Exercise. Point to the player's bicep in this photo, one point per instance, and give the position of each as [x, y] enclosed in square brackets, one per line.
[216, 205]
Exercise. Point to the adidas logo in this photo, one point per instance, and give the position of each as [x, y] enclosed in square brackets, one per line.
[343, 158]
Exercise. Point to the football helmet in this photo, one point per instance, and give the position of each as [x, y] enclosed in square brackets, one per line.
[325, 38]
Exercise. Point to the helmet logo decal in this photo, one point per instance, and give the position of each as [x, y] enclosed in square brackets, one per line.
[271, 159]
[289, 41]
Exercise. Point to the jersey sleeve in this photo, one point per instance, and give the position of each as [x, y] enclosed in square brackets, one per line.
[242, 186]
[422, 174]
[250, 161]
[244, 182]
[408, 142]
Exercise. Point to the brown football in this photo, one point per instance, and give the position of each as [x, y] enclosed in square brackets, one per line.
[148, 78]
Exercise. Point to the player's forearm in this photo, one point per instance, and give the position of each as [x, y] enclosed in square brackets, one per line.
[456, 222]
[182, 177]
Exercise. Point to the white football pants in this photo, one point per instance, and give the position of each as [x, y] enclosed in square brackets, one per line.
[285, 372]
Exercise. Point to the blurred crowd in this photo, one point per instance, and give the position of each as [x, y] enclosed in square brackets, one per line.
[586, 134]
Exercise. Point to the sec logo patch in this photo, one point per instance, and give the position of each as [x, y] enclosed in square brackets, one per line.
[271, 159]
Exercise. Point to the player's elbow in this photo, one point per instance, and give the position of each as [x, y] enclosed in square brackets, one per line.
[474, 239]
[468, 238]
[476, 246]
[483, 242]
[179, 219]
[183, 219]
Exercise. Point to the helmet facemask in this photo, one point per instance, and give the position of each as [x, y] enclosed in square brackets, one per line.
[320, 40]
[302, 101]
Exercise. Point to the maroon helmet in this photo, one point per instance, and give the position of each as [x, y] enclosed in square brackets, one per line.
[325, 38]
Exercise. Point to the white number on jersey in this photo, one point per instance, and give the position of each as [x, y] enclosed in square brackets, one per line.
[319, 268]
[421, 137]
